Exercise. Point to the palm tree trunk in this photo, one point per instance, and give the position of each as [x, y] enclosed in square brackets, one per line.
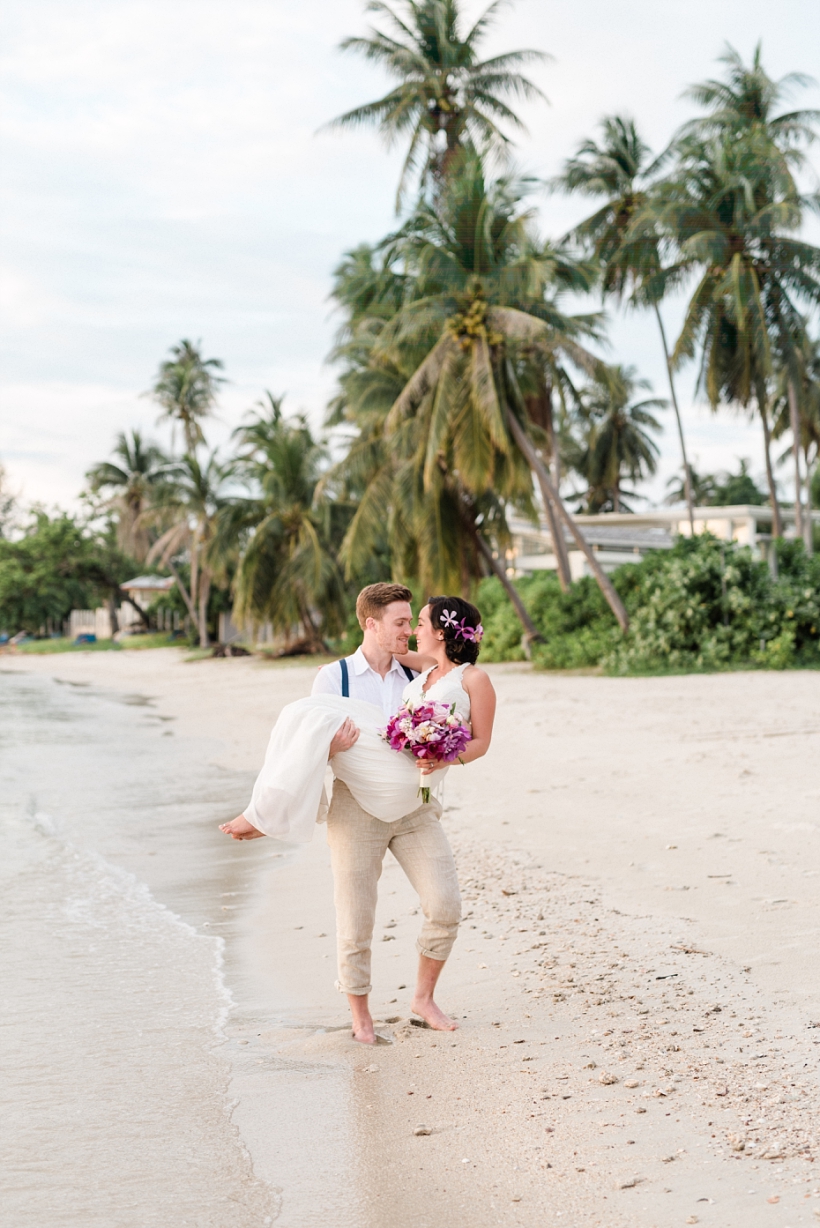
[195, 545]
[794, 422]
[539, 410]
[777, 522]
[204, 594]
[687, 473]
[540, 470]
[559, 546]
[184, 592]
[531, 632]
[808, 534]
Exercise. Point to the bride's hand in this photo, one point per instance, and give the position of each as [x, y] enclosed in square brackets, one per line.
[428, 766]
[345, 737]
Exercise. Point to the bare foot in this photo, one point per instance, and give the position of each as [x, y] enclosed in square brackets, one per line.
[240, 829]
[433, 1015]
[363, 1030]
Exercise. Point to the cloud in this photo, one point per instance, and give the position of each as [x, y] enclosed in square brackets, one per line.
[163, 177]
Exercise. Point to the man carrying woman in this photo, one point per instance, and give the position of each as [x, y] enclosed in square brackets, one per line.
[373, 684]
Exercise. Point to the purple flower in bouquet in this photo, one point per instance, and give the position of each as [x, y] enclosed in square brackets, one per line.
[429, 730]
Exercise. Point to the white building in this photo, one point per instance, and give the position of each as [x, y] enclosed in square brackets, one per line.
[143, 590]
[623, 537]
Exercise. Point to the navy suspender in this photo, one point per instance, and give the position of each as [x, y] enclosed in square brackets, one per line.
[346, 676]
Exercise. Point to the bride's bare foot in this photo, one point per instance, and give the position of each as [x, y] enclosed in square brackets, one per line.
[240, 829]
[433, 1015]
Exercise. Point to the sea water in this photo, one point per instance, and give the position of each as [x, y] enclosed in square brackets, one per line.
[115, 1107]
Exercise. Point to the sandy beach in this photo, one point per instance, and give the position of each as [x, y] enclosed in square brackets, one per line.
[636, 977]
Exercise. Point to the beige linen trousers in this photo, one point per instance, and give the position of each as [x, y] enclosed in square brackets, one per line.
[358, 843]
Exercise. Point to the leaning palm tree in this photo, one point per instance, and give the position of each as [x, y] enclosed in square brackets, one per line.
[131, 480]
[618, 441]
[193, 497]
[186, 387]
[620, 168]
[485, 308]
[287, 573]
[446, 97]
[434, 531]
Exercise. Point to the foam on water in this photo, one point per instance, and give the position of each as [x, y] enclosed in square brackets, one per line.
[114, 1090]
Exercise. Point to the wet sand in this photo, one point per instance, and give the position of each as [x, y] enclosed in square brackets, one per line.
[636, 977]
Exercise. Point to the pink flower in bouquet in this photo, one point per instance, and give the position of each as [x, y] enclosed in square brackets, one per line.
[429, 730]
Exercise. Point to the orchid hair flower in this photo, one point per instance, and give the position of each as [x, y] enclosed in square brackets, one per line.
[448, 619]
[472, 634]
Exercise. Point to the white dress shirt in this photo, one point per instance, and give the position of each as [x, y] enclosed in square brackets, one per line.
[386, 693]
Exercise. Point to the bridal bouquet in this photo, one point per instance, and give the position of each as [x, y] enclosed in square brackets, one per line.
[429, 730]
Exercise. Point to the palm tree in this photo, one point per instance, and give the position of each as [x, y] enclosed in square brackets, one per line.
[617, 441]
[186, 388]
[702, 488]
[620, 169]
[435, 530]
[485, 308]
[193, 499]
[734, 206]
[731, 213]
[745, 103]
[446, 97]
[287, 573]
[133, 479]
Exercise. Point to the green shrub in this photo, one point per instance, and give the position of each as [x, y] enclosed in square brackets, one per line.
[705, 604]
[577, 626]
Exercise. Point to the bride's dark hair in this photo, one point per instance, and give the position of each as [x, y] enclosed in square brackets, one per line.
[460, 621]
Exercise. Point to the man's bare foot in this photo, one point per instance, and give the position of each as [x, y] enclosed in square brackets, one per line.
[433, 1015]
[240, 829]
[363, 1030]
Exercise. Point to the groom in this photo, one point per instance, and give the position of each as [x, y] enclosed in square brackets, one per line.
[358, 842]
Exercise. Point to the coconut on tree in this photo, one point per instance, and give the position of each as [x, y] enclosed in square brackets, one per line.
[446, 97]
[481, 306]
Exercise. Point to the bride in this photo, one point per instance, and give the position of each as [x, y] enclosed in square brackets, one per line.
[289, 797]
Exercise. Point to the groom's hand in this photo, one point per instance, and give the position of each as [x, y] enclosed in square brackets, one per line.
[345, 737]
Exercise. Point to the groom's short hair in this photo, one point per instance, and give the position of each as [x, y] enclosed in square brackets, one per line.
[372, 600]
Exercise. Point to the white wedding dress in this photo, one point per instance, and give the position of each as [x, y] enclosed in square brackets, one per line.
[289, 795]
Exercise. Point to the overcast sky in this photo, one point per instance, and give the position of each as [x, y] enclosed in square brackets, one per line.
[163, 178]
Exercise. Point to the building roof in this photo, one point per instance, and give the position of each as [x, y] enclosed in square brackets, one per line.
[159, 584]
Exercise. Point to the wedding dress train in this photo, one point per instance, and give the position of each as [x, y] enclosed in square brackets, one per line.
[289, 795]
